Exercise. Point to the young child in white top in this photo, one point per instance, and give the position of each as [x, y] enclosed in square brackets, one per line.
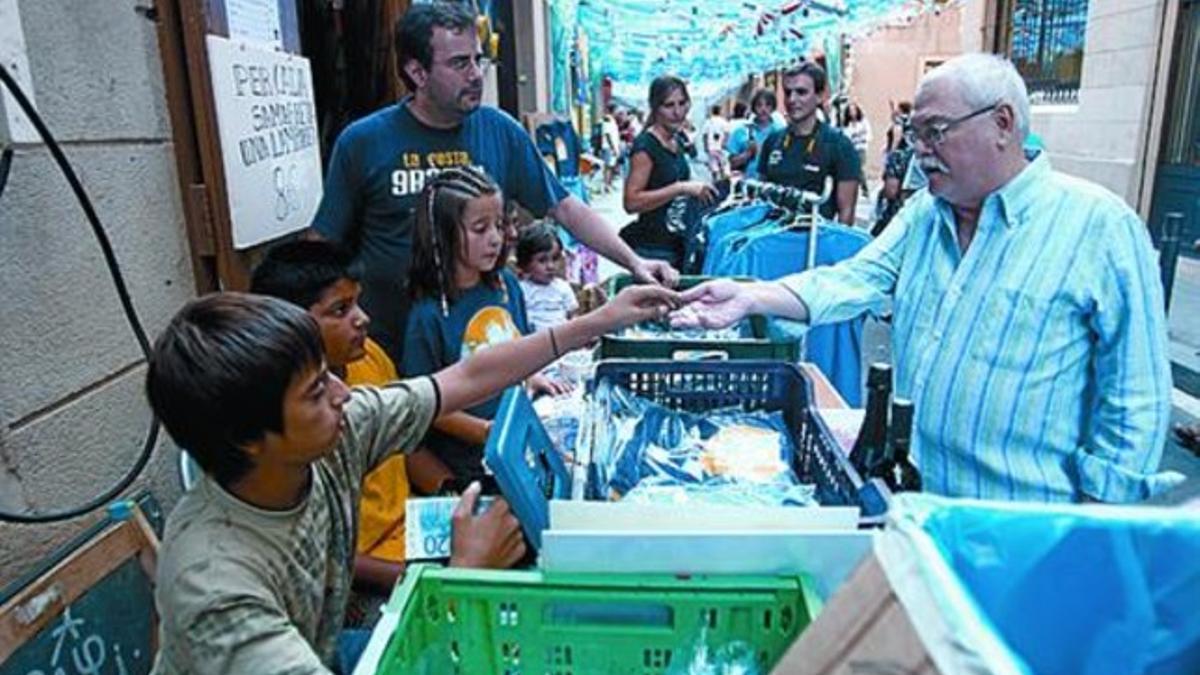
[549, 299]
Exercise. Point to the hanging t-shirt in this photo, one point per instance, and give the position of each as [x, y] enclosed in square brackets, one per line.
[804, 161]
[666, 167]
[558, 141]
[481, 317]
[768, 253]
[379, 166]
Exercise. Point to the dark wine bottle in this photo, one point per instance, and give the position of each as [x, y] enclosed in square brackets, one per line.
[897, 469]
[872, 437]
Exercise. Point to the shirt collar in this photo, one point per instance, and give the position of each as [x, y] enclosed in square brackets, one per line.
[1014, 197]
[1019, 193]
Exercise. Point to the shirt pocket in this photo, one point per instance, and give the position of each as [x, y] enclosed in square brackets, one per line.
[1013, 327]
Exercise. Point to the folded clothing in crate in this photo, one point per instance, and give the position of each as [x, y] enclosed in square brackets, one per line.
[654, 330]
[645, 452]
[700, 387]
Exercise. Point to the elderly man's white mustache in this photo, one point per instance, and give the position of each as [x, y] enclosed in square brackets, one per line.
[931, 163]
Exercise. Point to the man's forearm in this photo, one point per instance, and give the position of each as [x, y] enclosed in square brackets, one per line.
[771, 298]
[847, 198]
[591, 229]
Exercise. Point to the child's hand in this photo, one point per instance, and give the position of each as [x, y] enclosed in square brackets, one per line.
[540, 384]
[636, 304]
[491, 539]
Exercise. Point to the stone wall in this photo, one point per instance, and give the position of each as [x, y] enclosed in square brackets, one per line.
[72, 411]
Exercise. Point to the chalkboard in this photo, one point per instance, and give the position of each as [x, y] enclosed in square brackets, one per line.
[92, 611]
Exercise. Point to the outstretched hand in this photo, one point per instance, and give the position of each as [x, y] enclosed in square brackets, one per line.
[714, 304]
[540, 384]
[655, 272]
[639, 303]
[706, 193]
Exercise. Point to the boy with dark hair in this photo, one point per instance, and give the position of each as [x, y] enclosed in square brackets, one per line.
[318, 277]
[255, 565]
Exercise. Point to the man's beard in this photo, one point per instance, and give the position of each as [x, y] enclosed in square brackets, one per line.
[470, 99]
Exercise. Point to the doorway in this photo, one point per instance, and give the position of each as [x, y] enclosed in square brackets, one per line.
[1177, 177]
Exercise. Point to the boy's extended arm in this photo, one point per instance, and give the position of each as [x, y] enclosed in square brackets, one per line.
[485, 374]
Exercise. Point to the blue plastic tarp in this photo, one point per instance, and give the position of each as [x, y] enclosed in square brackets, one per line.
[1084, 590]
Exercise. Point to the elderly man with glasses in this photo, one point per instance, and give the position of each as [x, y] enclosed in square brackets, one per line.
[1028, 314]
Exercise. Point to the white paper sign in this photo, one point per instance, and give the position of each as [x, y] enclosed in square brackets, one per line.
[254, 20]
[267, 124]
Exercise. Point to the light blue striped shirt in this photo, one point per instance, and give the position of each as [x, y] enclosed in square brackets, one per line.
[1037, 361]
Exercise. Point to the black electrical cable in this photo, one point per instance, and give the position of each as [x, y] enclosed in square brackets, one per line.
[110, 259]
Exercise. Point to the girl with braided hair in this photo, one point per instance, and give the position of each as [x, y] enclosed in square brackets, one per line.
[464, 300]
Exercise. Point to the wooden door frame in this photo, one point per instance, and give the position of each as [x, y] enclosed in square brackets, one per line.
[1151, 142]
[183, 28]
[188, 164]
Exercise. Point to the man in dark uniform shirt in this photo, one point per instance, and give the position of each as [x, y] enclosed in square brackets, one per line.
[809, 150]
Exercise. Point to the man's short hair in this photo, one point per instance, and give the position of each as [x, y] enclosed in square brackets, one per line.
[812, 71]
[764, 95]
[739, 110]
[414, 31]
[716, 109]
[219, 372]
[534, 240]
[301, 271]
[983, 80]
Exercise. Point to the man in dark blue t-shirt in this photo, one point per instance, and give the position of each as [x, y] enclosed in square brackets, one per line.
[809, 150]
[380, 164]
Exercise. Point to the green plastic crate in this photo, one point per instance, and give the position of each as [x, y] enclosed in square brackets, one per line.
[761, 346]
[479, 621]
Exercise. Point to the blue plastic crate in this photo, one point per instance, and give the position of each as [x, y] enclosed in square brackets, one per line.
[531, 472]
[698, 386]
[528, 469]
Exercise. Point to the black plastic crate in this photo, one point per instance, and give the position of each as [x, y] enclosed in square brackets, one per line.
[699, 386]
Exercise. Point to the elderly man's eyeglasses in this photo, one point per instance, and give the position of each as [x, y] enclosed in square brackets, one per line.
[935, 133]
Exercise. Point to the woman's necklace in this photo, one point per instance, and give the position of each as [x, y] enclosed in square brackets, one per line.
[668, 142]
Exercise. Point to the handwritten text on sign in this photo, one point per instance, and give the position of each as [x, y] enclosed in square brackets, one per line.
[268, 130]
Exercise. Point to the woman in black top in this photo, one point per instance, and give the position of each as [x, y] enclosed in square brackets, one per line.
[659, 174]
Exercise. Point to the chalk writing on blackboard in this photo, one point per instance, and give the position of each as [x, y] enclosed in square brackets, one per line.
[109, 630]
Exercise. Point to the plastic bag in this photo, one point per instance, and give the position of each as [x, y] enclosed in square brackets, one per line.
[1094, 590]
[560, 416]
[651, 453]
[701, 658]
[655, 330]
[731, 494]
